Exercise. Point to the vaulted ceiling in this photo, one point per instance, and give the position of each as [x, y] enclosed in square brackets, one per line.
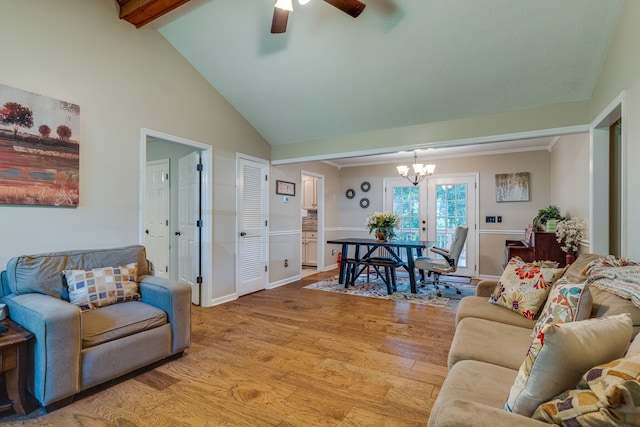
[400, 63]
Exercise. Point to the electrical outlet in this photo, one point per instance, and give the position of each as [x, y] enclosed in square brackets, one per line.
[490, 219]
[286, 263]
[333, 252]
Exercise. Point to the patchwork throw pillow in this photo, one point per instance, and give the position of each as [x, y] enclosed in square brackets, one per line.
[574, 408]
[566, 302]
[523, 287]
[561, 354]
[99, 287]
[607, 394]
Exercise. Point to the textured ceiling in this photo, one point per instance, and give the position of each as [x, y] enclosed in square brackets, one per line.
[401, 63]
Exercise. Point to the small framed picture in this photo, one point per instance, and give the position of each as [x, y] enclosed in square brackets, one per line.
[286, 188]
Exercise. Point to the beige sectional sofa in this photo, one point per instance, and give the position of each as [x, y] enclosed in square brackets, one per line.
[490, 345]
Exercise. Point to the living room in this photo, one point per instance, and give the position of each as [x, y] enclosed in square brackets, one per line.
[125, 79]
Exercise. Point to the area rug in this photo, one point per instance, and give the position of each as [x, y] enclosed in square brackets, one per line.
[377, 289]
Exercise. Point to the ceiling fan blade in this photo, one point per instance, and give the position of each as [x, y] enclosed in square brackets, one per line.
[280, 18]
[350, 7]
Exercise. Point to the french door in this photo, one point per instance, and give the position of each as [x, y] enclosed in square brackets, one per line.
[452, 202]
[409, 202]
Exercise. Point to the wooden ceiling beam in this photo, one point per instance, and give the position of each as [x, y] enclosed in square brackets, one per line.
[141, 12]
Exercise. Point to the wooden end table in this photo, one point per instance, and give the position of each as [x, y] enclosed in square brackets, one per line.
[13, 362]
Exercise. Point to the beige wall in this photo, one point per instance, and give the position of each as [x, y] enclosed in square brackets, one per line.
[516, 215]
[285, 220]
[123, 79]
[570, 176]
[621, 72]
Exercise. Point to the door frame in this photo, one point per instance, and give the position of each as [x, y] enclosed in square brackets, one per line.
[599, 177]
[321, 207]
[473, 230]
[206, 243]
[266, 165]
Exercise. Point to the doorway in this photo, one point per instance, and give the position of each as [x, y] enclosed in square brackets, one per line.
[197, 254]
[312, 225]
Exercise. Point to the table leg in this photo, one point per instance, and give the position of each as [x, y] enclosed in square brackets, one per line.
[345, 254]
[412, 273]
[16, 381]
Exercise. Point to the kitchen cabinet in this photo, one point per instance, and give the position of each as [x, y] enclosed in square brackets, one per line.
[310, 248]
[309, 192]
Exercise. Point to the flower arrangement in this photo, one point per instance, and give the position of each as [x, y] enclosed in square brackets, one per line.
[383, 223]
[569, 233]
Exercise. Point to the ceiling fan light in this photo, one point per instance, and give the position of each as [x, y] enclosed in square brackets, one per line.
[284, 5]
[303, 2]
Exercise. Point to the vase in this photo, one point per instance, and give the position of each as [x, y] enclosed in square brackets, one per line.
[382, 234]
[570, 258]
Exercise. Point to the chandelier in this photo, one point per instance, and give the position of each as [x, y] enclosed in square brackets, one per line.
[419, 170]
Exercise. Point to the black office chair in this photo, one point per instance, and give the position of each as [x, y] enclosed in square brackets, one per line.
[450, 262]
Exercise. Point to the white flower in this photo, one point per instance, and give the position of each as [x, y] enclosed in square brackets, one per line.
[570, 233]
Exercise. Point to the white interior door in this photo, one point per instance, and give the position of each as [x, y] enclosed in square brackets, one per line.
[157, 211]
[452, 202]
[252, 223]
[188, 222]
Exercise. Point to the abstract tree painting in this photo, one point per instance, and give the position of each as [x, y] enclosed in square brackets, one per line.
[39, 149]
[512, 187]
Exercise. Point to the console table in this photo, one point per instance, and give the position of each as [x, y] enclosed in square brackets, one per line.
[13, 363]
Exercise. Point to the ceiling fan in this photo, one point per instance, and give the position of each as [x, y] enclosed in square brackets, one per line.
[282, 8]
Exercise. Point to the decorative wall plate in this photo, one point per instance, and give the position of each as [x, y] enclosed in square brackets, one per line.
[365, 186]
[350, 193]
[364, 203]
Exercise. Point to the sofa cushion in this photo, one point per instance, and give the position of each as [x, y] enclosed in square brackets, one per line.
[523, 287]
[41, 273]
[560, 354]
[120, 320]
[475, 381]
[576, 273]
[478, 307]
[99, 287]
[491, 342]
[566, 302]
[607, 304]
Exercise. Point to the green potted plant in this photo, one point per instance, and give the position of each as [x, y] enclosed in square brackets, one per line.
[544, 215]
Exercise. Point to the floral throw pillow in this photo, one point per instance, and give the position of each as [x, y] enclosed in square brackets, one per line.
[566, 302]
[99, 287]
[523, 287]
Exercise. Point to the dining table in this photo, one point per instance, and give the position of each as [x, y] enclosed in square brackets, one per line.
[365, 248]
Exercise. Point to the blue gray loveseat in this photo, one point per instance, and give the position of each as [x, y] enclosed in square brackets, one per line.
[76, 349]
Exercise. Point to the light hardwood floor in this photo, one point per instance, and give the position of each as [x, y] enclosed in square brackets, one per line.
[285, 357]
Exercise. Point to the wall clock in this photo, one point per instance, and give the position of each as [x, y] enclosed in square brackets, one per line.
[364, 203]
[365, 186]
[351, 193]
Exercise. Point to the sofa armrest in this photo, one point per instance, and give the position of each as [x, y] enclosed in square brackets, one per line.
[174, 298]
[485, 288]
[56, 345]
[461, 413]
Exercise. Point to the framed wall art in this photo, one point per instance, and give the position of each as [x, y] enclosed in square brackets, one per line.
[39, 150]
[512, 187]
[285, 188]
